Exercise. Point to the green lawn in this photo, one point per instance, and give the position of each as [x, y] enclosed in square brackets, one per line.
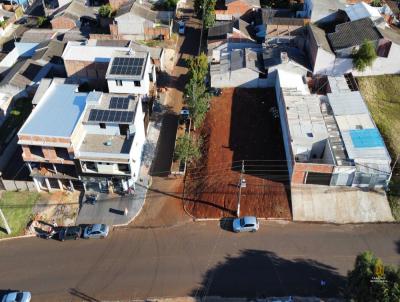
[17, 208]
[382, 94]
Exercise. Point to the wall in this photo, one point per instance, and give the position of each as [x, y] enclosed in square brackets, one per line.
[130, 24]
[300, 170]
[284, 126]
[138, 142]
[18, 185]
[244, 78]
[63, 23]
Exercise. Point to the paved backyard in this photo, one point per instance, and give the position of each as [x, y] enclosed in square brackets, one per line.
[240, 126]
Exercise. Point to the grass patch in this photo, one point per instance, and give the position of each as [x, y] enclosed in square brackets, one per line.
[17, 208]
[382, 94]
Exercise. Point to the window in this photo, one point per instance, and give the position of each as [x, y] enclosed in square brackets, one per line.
[123, 129]
[36, 150]
[137, 83]
[123, 167]
[90, 165]
[62, 153]
[102, 125]
[118, 82]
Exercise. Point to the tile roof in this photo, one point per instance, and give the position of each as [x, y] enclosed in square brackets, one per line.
[220, 29]
[77, 10]
[353, 33]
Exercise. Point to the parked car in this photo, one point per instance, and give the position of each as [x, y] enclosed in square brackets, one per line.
[69, 233]
[181, 29]
[17, 297]
[245, 224]
[215, 91]
[96, 231]
[184, 114]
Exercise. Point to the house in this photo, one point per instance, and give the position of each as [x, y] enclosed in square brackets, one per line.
[349, 36]
[49, 136]
[331, 139]
[130, 73]
[254, 67]
[110, 146]
[74, 140]
[233, 9]
[88, 62]
[138, 21]
[72, 16]
[363, 10]
[21, 51]
[278, 26]
[320, 54]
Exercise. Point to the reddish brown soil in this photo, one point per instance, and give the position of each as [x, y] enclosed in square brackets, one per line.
[240, 126]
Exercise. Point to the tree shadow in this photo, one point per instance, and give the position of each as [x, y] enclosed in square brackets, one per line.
[260, 274]
[397, 243]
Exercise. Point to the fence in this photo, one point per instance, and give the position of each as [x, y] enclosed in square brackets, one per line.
[17, 185]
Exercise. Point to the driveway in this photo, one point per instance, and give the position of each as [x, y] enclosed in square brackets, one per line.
[195, 259]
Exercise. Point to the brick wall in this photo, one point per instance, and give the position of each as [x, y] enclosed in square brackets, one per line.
[50, 156]
[62, 23]
[300, 170]
[152, 33]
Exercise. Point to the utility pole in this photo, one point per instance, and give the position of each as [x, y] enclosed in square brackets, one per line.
[242, 184]
[202, 26]
[391, 172]
[8, 230]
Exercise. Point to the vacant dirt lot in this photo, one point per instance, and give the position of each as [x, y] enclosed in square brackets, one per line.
[240, 126]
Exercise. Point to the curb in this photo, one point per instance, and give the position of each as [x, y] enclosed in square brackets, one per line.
[17, 237]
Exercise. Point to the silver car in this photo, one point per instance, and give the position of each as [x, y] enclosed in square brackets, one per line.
[96, 231]
[245, 224]
[17, 297]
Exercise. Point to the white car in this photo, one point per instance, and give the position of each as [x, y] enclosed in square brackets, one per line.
[17, 297]
[96, 231]
[245, 224]
[181, 29]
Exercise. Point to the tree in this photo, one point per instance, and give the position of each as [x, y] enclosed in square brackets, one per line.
[198, 101]
[209, 11]
[105, 11]
[41, 21]
[198, 68]
[372, 281]
[187, 148]
[365, 56]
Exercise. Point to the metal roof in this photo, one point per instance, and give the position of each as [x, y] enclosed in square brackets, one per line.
[57, 113]
[347, 103]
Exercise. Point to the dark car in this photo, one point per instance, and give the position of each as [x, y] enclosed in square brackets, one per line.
[69, 233]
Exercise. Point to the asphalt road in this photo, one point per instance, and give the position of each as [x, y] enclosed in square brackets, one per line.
[194, 259]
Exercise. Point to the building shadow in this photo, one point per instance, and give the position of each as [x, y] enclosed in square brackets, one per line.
[397, 243]
[191, 42]
[164, 150]
[261, 274]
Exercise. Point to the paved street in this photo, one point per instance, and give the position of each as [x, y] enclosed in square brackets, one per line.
[194, 259]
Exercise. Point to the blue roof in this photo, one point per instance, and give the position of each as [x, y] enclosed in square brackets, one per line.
[366, 138]
[57, 112]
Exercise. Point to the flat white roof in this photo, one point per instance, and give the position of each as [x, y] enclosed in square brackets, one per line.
[362, 10]
[80, 51]
[57, 113]
[305, 119]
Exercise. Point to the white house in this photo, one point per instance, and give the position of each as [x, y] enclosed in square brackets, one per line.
[130, 73]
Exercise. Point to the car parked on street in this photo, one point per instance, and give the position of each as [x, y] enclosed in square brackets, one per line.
[96, 231]
[17, 297]
[181, 29]
[69, 233]
[245, 224]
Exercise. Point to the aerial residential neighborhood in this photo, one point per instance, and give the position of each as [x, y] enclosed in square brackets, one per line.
[200, 150]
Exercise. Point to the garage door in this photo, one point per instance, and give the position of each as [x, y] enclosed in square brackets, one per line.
[318, 178]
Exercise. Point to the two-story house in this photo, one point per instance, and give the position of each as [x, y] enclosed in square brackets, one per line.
[111, 142]
[49, 135]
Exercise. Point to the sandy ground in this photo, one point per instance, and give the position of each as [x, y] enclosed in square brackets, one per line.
[240, 126]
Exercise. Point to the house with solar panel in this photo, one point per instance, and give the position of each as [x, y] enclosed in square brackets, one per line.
[130, 73]
[330, 139]
[112, 136]
[92, 139]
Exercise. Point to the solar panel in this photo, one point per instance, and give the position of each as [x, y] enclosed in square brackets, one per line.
[127, 66]
[111, 116]
[119, 103]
